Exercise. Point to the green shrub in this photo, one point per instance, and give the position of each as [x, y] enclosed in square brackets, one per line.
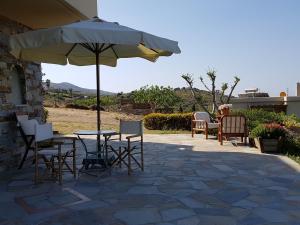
[256, 117]
[76, 106]
[268, 131]
[85, 102]
[45, 115]
[291, 147]
[104, 101]
[291, 121]
[174, 121]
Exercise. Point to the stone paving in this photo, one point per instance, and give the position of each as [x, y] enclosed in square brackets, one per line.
[187, 181]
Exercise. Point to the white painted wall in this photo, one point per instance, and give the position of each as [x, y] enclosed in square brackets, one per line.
[292, 102]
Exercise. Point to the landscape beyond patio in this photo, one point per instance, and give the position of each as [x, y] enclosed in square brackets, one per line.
[186, 181]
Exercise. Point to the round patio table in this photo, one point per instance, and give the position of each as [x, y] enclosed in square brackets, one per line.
[100, 156]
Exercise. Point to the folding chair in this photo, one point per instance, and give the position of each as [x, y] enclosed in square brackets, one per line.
[41, 138]
[28, 139]
[132, 133]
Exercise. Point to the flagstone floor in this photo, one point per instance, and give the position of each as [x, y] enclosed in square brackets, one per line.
[187, 181]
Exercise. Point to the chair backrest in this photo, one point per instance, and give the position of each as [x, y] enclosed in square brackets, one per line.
[202, 116]
[131, 127]
[234, 124]
[43, 132]
[21, 118]
[39, 131]
[28, 126]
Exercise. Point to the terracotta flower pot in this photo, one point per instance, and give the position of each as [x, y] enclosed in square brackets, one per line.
[225, 111]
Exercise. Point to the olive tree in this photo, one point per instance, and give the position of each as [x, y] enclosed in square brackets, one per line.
[217, 96]
[156, 96]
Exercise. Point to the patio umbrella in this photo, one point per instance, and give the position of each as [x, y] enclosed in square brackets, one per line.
[90, 42]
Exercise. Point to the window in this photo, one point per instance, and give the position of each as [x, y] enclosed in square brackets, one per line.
[18, 86]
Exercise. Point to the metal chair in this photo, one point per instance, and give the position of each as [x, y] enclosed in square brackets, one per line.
[202, 122]
[131, 135]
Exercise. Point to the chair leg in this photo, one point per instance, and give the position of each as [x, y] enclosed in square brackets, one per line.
[74, 158]
[142, 154]
[221, 139]
[119, 156]
[36, 164]
[206, 134]
[129, 158]
[120, 152]
[192, 132]
[59, 165]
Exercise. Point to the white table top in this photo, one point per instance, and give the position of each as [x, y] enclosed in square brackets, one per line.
[95, 132]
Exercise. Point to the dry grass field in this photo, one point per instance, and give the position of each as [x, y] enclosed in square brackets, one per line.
[67, 120]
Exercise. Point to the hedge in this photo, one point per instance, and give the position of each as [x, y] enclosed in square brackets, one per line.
[172, 121]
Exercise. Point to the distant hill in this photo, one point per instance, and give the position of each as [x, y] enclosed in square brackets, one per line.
[67, 86]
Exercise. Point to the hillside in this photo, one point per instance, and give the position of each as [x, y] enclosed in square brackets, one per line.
[67, 86]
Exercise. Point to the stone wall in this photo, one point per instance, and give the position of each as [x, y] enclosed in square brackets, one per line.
[11, 145]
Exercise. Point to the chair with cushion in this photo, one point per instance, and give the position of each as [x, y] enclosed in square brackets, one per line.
[131, 153]
[201, 122]
[233, 126]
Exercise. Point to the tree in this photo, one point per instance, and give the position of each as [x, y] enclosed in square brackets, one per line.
[71, 92]
[156, 96]
[48, 84]
[211, 74]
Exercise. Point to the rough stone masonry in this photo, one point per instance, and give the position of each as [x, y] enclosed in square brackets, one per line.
[23, 78]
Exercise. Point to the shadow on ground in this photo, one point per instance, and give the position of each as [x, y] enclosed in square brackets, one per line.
[186, 181]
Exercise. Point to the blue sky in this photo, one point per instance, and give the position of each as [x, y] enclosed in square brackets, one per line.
[257, 40]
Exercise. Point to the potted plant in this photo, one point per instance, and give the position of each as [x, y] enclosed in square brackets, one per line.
[224, 109]
[268, 137]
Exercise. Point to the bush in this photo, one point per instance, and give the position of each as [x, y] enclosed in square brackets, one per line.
[173, 121]
[76, 106]
[85, 102]
[291, 121]
[268, 131]
[91, 101]
[256, 117]
[45, 115]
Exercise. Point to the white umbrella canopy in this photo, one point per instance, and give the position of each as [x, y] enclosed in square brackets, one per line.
[75, 44]
[90, 42]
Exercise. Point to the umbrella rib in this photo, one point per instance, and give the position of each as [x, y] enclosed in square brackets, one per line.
[149, 48]
[93, 45]
[71, 49]
[112, 48]
[87, 47]
[100, 49]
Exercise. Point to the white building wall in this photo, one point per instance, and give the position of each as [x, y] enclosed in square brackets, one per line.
[292, 102]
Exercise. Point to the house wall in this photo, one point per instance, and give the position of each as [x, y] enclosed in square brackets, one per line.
[245, 103]
[11, 145]
[292, 103]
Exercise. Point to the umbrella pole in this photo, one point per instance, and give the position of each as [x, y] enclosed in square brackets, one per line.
[97, 52]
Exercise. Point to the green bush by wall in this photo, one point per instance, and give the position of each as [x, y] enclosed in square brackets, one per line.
[173, 121]
[256, 117]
